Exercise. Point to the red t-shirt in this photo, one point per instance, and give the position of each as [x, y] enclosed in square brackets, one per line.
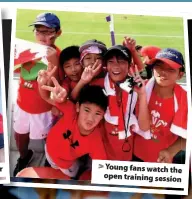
[65, 143]
[117, 149]
[162, 113]
[28, 97]
[70, 85]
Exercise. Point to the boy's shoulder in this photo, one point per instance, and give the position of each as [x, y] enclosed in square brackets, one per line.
[98, 131]
[180, 91]
[182, 87]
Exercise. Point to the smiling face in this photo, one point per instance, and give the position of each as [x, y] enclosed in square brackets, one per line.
[117, 67]
[90, 59]
[73, 69]
[89, 117]
[165, 75]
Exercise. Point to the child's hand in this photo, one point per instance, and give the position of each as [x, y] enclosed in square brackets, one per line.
[137, 78]
[45, 75]
[90, 72]
[51, 55]
[130, 43]
[59, 94]
[165, 156]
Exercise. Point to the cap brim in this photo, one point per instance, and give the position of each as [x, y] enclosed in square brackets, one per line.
[171, 63]
[42, 23]
[100, 46]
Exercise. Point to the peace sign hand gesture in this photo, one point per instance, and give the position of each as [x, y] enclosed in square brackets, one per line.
[90, 72]
[137, 78]
[59, 94]
[45, 75]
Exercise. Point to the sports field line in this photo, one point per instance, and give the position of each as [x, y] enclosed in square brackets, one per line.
[120, 34]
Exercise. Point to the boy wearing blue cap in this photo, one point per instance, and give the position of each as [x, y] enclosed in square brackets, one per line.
[167, 103]
[32, 115]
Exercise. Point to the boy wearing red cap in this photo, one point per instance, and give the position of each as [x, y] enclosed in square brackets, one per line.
[32, 115]
[148, 53]
[167, 103]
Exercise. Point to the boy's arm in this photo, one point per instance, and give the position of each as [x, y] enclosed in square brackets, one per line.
[53, 59]
[143, 111]
[86, 77]
[166, 155]
[143, 116]
[130, 44]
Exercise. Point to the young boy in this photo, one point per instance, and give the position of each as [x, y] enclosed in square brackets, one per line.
[69, 60]
[91, 60]
[167, 103]
[79, 131]
[119, 116]
[91, 51]
[32, 115]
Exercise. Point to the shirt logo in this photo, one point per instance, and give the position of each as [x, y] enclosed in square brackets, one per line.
[156, 124]
[158, 103]
[67, 135]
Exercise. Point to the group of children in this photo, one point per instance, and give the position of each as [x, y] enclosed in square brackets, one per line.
[81, 106]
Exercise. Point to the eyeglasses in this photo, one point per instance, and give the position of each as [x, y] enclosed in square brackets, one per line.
[44, 32]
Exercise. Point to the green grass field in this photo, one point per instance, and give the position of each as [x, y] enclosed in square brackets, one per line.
[78, 27]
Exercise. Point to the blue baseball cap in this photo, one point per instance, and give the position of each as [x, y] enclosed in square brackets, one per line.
[169, 56]
[49, 20]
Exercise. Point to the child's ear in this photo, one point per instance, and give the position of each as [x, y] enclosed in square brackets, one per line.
[77, 107]
[180, 75]
[59, 33]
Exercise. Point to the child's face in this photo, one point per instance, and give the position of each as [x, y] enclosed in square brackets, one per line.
[91, 58]
[117, 68]
[45, 36]
[89, 117]
[73, 69]
[165, 75]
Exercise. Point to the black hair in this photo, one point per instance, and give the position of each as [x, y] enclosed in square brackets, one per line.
[56, 29]
[93, 94]
[182, 69]
[138, 47]
[68, 53]
[117, 54]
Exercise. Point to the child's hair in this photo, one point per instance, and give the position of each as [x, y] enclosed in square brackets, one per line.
[68, 53]
[56, 28]
[93, 94]
[138, 47]
[118, 51]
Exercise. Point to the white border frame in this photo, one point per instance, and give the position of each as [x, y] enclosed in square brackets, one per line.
[113, 8]
[5, 165]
